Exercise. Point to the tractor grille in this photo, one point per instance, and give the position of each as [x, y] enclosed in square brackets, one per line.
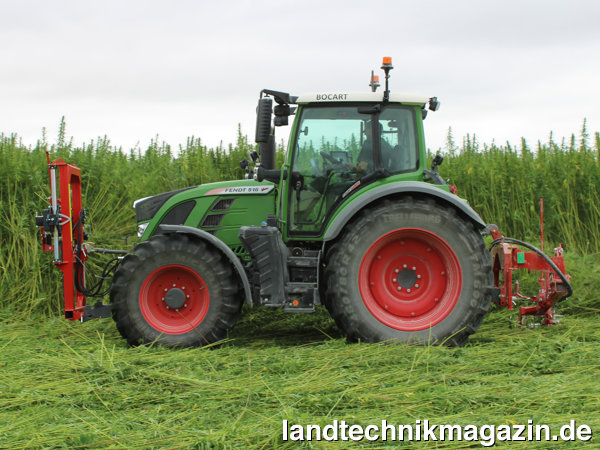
[223, 204]
[212, 220]
[179, 214]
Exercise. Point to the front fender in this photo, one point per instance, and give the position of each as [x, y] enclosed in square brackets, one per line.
[406, 187]
[220, 245]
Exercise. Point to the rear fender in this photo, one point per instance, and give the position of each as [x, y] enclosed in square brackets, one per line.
[407, 187]
[217, 243]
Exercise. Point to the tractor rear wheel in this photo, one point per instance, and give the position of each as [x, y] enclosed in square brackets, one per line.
[409, 270]
[174, 290]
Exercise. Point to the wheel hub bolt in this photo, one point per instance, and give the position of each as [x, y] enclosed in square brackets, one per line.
[399, 288]
[408, 290]
[416, 285]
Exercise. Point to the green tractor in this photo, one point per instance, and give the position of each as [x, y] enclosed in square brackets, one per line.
[353, 220]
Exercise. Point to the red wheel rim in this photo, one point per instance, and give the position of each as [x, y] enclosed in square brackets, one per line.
[410, 279]
[181, 288]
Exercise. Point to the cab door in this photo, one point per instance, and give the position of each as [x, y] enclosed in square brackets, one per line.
[333, 150]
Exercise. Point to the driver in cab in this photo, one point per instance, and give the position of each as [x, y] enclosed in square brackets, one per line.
[364, 162]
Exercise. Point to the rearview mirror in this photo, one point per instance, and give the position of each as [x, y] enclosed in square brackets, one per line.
[264, 111]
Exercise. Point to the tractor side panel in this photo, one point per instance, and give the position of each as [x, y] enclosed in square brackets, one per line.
[247, 210]
[219, 209]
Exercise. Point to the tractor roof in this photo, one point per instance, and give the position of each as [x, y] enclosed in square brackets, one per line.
[326, 97]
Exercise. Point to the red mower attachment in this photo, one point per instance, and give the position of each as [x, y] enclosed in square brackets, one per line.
[62, 232]
[507, 256]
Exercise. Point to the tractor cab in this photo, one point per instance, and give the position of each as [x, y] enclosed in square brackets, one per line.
[340, 143]
[337, 147]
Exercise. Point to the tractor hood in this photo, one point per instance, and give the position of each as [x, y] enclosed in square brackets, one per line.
[147, 207]
[218, 208]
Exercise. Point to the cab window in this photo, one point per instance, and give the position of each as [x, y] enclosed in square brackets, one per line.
[333, 149]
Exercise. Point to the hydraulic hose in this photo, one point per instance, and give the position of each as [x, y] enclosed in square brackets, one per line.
[96, 290]
[107, 272]
[543, 255]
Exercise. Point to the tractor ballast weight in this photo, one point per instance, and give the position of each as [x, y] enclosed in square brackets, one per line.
[353, 220]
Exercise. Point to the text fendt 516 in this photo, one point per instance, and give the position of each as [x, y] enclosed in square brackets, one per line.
[353, 220]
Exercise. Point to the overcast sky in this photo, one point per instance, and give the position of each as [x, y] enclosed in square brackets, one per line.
[132, 70]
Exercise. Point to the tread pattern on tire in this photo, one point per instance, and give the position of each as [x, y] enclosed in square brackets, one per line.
[225, 299]
[343, 299]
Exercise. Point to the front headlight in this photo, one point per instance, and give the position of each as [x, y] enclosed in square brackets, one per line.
[141, 228]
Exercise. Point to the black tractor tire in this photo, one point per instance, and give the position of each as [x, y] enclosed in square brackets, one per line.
[175, 290]
[409, 270]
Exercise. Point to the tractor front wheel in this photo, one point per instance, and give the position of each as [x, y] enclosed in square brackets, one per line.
[410, 270]
[174, 290]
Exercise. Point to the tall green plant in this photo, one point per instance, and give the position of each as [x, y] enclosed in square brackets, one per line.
[502, 182]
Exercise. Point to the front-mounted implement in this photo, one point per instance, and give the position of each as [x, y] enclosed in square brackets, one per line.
[62, 232]
[353, 220]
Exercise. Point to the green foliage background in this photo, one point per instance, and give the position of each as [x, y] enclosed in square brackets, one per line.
[502, 182]
[72, 385]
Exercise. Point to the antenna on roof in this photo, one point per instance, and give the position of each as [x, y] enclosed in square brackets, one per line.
[374, 82]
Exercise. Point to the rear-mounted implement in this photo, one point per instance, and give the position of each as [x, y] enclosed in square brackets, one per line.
[507, 256]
